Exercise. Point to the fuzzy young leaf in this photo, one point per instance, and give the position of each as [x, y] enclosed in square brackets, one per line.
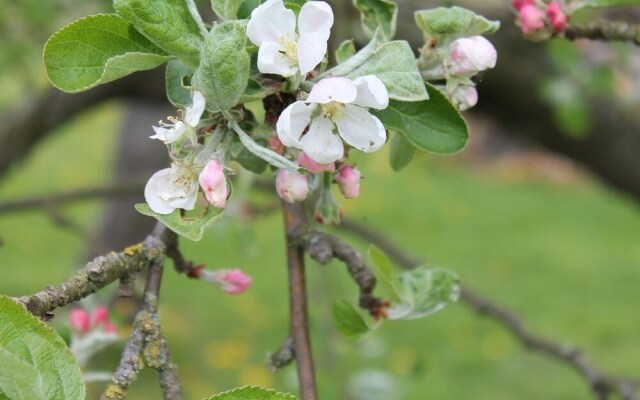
[35, 362]
[247, 159]
[433, 125]
[224, 70]
[424, 292]
[252, 393]
[191, 228]
[453, 22]
[177, 94]
[401, 152]
[254, 92]
[604, 3]
[226, 9]
[348, 321]
[264, 153]
[378, 14]
[167, 23]
[345, 51]
[353, 62]
[96, 50]
[384, 272]
[395, 65]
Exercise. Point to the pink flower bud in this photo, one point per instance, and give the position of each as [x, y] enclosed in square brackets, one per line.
[464, 97]
[531, 19]
[79, 320]
[291, 186]
[232, 281]
[276, 145]
[472, 55]
[100, 316]
[348, 179]
[518, 4]
[557, 18]
[110, 328]
[214, 184]
[307, 163]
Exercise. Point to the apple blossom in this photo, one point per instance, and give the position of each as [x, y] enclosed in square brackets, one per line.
[291, 186]
[557, 18]
[518, 4]
[464, 97]
[348, 179]
[282, 51]
[169, 133]
[172, 188]
[307, 163]
[471, 55]
[100, 316]
[79, 320]
[232, 281]
[531, 19]
[214, 184]
[341, 103]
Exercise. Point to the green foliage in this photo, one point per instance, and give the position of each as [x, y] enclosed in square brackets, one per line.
[226, 9]
[607, 3]
[453, 22]
[401, 152]
[190, 227]
[224, 71]
[254, 92]
[345, 51]
[35, 363]
[424, 292]
[252, 393]
[247, 159]
[96, 50]
[384, 272]
[177, 93]
[348, 321]
[266, 154]
[433, 125]
[378, 14]
[355, 61]
[395, 65]
[167, 23]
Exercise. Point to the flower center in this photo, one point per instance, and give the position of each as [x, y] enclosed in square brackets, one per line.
[332, 110]
[290, 44]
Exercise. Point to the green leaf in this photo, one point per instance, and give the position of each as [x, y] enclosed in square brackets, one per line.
[433, 125]
[167, 23]
[177, 93]
[395, 65]
[605, 3]
[190, 227]
[348, 321]
[264, 153]
[96, 50]
[35, 363]
[247, 159]
[424, 292]
[224, 71]
[353, 62]
[376, 14]
[254, 92]
[252, 393]
[226, 9]
[401, 152]
[345, 51]
[453, 22]
[384, 272]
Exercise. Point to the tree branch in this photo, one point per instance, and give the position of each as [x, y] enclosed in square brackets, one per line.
[604, 30]
[295, 220]
[602, 384]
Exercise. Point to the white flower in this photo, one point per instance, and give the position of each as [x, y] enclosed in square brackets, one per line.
[335, 102]
[171, 188]
[472, 55]
[272, 27]
[464, 97]
[169, 133]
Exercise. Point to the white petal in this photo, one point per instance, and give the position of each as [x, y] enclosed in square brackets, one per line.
[371, 92]
[272, 61]
[161, 133]
[327, 90]
[361, 129]
[311, 50]
[194, 111]
[292, 122]
[320, 143]
[270, 21]
[170, 135]
[188, 201]
[315, 17]
[151, 192]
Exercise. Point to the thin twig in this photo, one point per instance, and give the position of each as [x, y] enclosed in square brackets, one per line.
[601, 383]
[605, 31]
[294, 219]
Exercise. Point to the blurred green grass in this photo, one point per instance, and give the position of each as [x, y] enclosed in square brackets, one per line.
[565, 257]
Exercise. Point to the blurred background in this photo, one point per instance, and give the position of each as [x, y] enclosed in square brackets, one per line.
[540, 213]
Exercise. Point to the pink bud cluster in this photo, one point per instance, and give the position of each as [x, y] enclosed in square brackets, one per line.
[232, 281]
[81, 322]
[534, 16]
[214, 184]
